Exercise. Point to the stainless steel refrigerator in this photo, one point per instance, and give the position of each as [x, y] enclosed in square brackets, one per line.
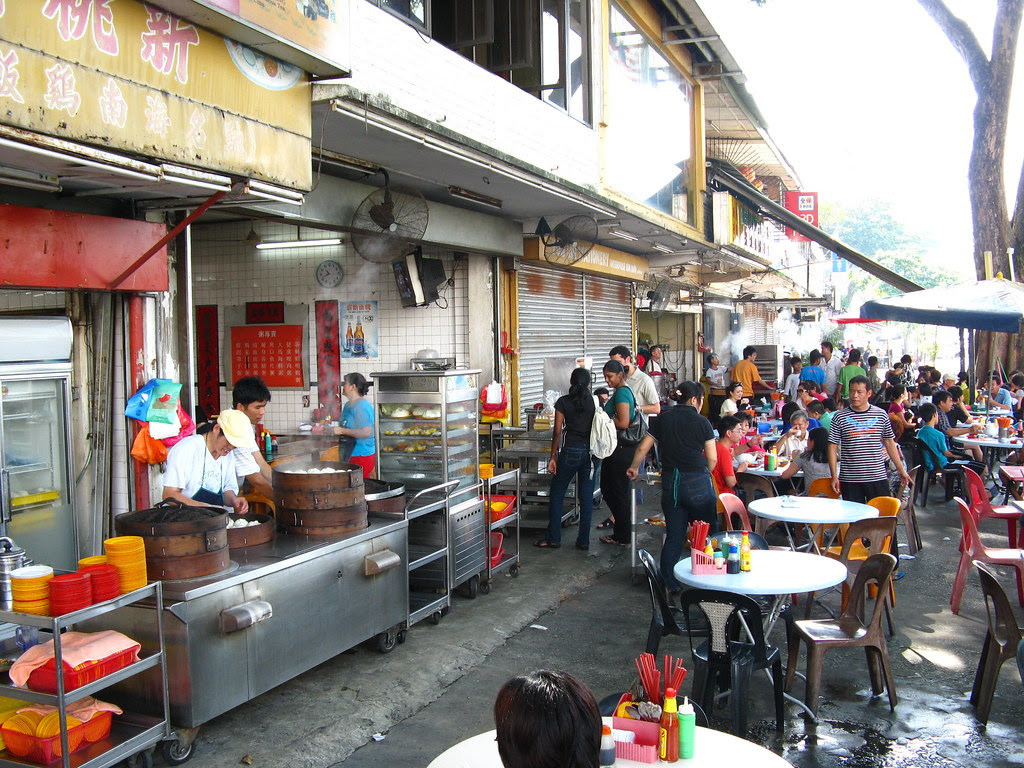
[36, 491]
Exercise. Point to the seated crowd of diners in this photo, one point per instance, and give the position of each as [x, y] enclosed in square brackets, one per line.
[927, 410]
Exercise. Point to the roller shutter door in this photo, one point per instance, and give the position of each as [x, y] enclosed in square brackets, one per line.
[563, 314]
[609, 319]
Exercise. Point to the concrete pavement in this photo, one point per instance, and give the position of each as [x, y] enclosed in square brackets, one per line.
[580, 612]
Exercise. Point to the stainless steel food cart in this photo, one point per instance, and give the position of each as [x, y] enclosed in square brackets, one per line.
[427, 434]
[234, 635]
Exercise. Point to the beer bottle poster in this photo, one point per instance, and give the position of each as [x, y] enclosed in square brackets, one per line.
[359, 329]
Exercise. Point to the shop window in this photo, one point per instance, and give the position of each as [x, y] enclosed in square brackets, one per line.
[416, 12]
[541, 46]
[650, 115]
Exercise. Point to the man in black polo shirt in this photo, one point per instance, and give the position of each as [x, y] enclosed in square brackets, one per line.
[864, 434]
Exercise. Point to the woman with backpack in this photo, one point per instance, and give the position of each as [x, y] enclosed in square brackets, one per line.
[570, 457]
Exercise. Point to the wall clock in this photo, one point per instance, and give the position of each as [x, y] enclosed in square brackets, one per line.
[329, 274]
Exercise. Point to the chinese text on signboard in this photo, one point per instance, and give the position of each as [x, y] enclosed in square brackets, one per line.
[272, 352]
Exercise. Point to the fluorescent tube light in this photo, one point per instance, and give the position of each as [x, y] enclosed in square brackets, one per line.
[474, 197]
[623, 234]
[716, 305]
[298, 243]
[662, 248]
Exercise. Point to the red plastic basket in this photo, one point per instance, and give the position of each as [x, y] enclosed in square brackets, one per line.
[48, 749]
[493, 515]
[44, 678]
[495, 551]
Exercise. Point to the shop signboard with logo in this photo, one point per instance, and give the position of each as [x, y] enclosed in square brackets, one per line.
[804, 205]
[134, 77]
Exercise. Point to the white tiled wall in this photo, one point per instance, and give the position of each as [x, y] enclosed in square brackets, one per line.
[228, 272]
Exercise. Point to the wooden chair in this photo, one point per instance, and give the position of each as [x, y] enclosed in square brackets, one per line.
[1001, 642]
[849, 630]
[973, 549]
[878, 533]
[260, 504]
[755, 486]
[665, 618]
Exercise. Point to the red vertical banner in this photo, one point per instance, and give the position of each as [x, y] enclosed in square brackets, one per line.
[804, 205]
[207, 360]
[328, 357]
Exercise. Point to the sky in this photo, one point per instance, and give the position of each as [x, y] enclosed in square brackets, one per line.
[868, 100]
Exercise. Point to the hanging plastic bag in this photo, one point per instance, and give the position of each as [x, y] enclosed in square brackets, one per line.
[156, 400]
[493, 403]
[163, 405]
[188, 427]
[147, 449]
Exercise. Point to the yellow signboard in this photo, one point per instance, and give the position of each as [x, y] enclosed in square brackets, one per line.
[130, 76]
[600, 261]
[312, 34]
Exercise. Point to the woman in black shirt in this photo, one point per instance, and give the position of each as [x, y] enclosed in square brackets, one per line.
[688, 456]
[570, 457]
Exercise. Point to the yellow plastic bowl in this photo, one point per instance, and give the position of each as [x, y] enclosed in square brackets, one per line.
[499, 506]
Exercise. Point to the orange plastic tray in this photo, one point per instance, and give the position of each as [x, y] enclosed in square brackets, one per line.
[48, 750]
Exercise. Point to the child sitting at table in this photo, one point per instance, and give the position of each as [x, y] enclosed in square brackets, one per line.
[813, 461]
[937, 454]
[815, 414]
[547, 719]
[752, 441]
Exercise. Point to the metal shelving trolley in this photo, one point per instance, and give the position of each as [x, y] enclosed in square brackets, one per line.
[528, 450]
[130, 734]
[502, 526]
[427, 424]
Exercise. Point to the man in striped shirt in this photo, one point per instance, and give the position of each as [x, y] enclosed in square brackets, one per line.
[863, 432]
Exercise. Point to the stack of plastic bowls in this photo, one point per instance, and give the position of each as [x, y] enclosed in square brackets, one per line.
[128, 555]
[70, 592]
[92, 560]
[30, 588]
[106, 582]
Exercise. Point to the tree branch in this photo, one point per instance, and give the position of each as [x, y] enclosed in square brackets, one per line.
[1017, 222]
[962, 39]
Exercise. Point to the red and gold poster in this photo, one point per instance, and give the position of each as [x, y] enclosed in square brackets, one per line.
[272, 352]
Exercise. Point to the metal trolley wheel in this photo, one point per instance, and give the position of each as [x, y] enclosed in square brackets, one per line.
[514, 571]
[175, 753]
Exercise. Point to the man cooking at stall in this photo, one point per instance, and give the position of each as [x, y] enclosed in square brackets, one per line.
[201, 468]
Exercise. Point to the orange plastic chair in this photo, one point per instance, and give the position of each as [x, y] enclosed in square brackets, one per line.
[822, 487]
[973, 549]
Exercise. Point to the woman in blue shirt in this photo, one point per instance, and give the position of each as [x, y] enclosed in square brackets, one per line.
[357, 422]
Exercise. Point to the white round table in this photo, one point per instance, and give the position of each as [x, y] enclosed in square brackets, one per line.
[811, 509]
[772, 572]
[481, 751]
[984, 442]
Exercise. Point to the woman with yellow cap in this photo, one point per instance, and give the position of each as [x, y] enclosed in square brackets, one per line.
[201, 468]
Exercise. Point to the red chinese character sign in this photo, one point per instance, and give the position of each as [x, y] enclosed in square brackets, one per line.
[804, 205]
[272, 352]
